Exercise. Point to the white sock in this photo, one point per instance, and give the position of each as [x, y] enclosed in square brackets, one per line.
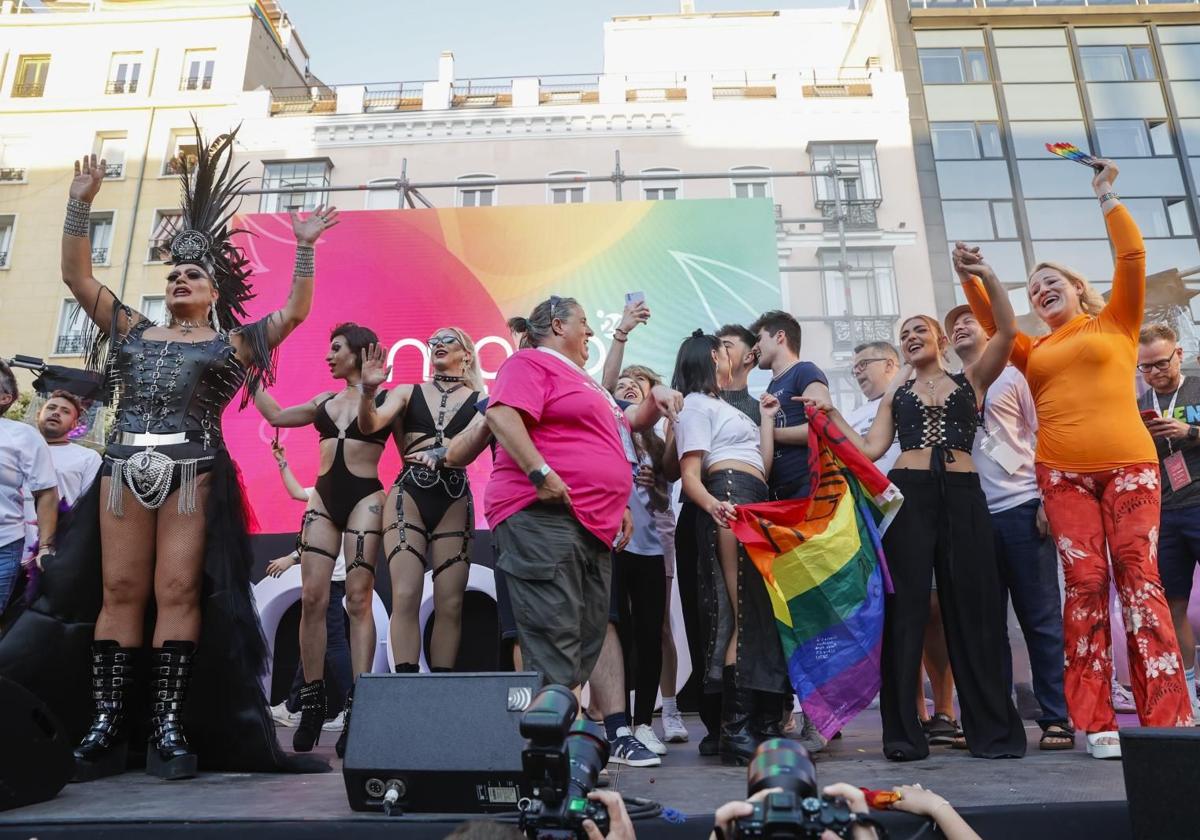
[1189, 676]
[669, 707]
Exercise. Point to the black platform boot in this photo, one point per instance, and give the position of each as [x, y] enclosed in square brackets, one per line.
[710, 716]
[769, 710]
[407, 668]
[738, 743]
[340, 746]
[104, 750]
[168, 755]
[312, 716]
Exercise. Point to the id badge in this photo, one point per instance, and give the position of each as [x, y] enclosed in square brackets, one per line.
[1177, 471]
[1001, 453]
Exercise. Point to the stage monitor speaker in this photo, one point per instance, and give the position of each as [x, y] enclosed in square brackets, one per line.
[1162, 781]
[35, 756]
[438, 743]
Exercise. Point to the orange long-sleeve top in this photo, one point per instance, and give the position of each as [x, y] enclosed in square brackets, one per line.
[1082, 374]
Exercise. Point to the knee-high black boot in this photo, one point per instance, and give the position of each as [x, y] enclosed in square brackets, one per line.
[105, 748]
[312, 716]
[738, 743]
[340, 746]
[769, 709]
[710, 716]
[168, 755]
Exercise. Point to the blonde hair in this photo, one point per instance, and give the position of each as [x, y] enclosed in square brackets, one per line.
[1091, 301]
[471, 373]
[634, 371]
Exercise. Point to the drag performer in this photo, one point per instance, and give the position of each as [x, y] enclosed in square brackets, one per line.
[429, 517]
[169, 507]
[1098, 472]
[345, 506]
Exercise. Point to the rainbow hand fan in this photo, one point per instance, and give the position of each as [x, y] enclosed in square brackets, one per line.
[1072, 152]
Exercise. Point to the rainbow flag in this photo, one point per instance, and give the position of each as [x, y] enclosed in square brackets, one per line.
[823, 564]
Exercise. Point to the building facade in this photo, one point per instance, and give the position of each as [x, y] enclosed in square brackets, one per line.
[741, 94]
[990, 83]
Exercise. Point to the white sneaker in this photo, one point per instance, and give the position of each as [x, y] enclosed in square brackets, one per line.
[674, 731]
[1122, 699]
[1104, 745]
[649, 739]
[335, 724]
[283, 717]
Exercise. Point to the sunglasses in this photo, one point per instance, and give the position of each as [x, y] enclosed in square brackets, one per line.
[443, 341]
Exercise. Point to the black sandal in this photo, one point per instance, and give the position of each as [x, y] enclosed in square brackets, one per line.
[941, 730]
[1057, 736]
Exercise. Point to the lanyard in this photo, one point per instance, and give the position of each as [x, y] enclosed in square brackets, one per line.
[1170, 410]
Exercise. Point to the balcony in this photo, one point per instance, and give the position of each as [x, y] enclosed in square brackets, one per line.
[568, 90]
[12, 173]
[860, 215]
[69, 344]
[3, 259]
[406, 96]
[114, 170]
[1006, 4]
[195, 83]
[303, 100]
[119, 87]
[29, 91]
[100, 256]
[850, 331]
[481, 93]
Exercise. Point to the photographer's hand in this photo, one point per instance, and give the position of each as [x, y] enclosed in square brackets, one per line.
[925, 803]
[620, 827]
[857, 803]
[731, 812]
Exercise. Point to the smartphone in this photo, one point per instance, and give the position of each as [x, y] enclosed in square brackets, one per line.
[1149, 414]
[634, 297]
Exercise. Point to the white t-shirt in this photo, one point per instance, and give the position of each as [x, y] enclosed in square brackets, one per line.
[861, 418]
[719, 430]
[76, 467]
[25, 467]
[1009, 415]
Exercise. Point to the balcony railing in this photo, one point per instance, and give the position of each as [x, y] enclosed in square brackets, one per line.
[860, 215]
[195, 83]
[303, 100]
[114, 170]
[121, 87]
[4, 259]
[484, 93]
[568, 90]
[12, 173]
[69, 344]
[1007, 4]
[851, 331]
[27, 91]
[406, 96]
[99, 256]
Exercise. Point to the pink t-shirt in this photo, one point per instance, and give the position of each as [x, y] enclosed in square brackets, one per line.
[574, 425]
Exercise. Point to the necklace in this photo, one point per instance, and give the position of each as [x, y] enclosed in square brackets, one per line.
[185, 327]
[785, 370]
[445, 377]
[929, 385]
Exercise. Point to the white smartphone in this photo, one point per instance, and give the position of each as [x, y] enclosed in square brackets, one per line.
[634, 297]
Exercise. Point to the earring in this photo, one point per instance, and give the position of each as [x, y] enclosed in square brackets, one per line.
[212, 318]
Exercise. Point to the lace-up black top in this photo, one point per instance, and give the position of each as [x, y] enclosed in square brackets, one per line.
[950, 426]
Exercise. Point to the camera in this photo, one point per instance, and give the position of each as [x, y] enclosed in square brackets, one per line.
[562, 759]
[798, 810]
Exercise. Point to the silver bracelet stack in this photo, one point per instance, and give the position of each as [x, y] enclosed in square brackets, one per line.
[79, 217]
[305, 261]
[1109, 195]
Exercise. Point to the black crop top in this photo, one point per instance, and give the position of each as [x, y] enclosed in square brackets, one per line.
[327, 429]
[418, 418]
[949, 426]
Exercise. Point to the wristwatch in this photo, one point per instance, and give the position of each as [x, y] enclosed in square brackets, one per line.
[1193, 433]
[538, 477]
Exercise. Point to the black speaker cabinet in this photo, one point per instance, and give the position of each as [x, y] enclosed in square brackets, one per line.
[1162, 782]
[35, 756]
[441, 743]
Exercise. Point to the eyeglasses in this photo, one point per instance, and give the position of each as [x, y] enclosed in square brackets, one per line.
[443, 341]
[861, 364]
[1157, 364]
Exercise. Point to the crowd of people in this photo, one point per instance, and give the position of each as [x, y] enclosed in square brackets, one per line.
[602, 498]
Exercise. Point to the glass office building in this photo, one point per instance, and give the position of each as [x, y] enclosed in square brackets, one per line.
[990, 85]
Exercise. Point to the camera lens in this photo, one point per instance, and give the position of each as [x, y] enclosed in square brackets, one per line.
[782, 763]
[588, 751]
[549, 717]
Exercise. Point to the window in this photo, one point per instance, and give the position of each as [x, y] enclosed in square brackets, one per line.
[69, 341]
[953, 66]
[7, 223]
[974, 221]
[870, 287]
[198, 69]
[966, 141]
[124, 70]
[660, 190]
[482, 196]
[154, 307]
[292, 174]
[567, 193]
[100, 232]
[1134, 138]
[182, 152]
[12, 160]
[749, 184]
[383, 199]
[110, 148]
[858, 179]
[1191, 136]
[166, 224]
[1065, 218]
[1160, 217]
[31, 75]
[1182, 60]
[1117, 63]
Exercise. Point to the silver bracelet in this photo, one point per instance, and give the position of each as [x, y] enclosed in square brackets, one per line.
[1106, 196]
[305, 261]
[79, 218]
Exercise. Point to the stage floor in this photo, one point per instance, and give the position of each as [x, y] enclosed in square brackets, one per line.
[685, 782]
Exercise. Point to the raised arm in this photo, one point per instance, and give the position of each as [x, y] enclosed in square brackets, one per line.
[634, 314]
[96, 301]
[1127, 303]
[979, 298]
[662, 402]
[372, 416]
[995, 356]
[290, 482]
[288, 418]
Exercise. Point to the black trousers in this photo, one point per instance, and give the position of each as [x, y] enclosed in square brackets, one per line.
[944, 527]
[687, 553]
[640, 582]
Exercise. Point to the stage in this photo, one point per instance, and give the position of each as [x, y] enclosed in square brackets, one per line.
[1039, 796]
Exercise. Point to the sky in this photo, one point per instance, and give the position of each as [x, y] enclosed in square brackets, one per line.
[355, 41]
